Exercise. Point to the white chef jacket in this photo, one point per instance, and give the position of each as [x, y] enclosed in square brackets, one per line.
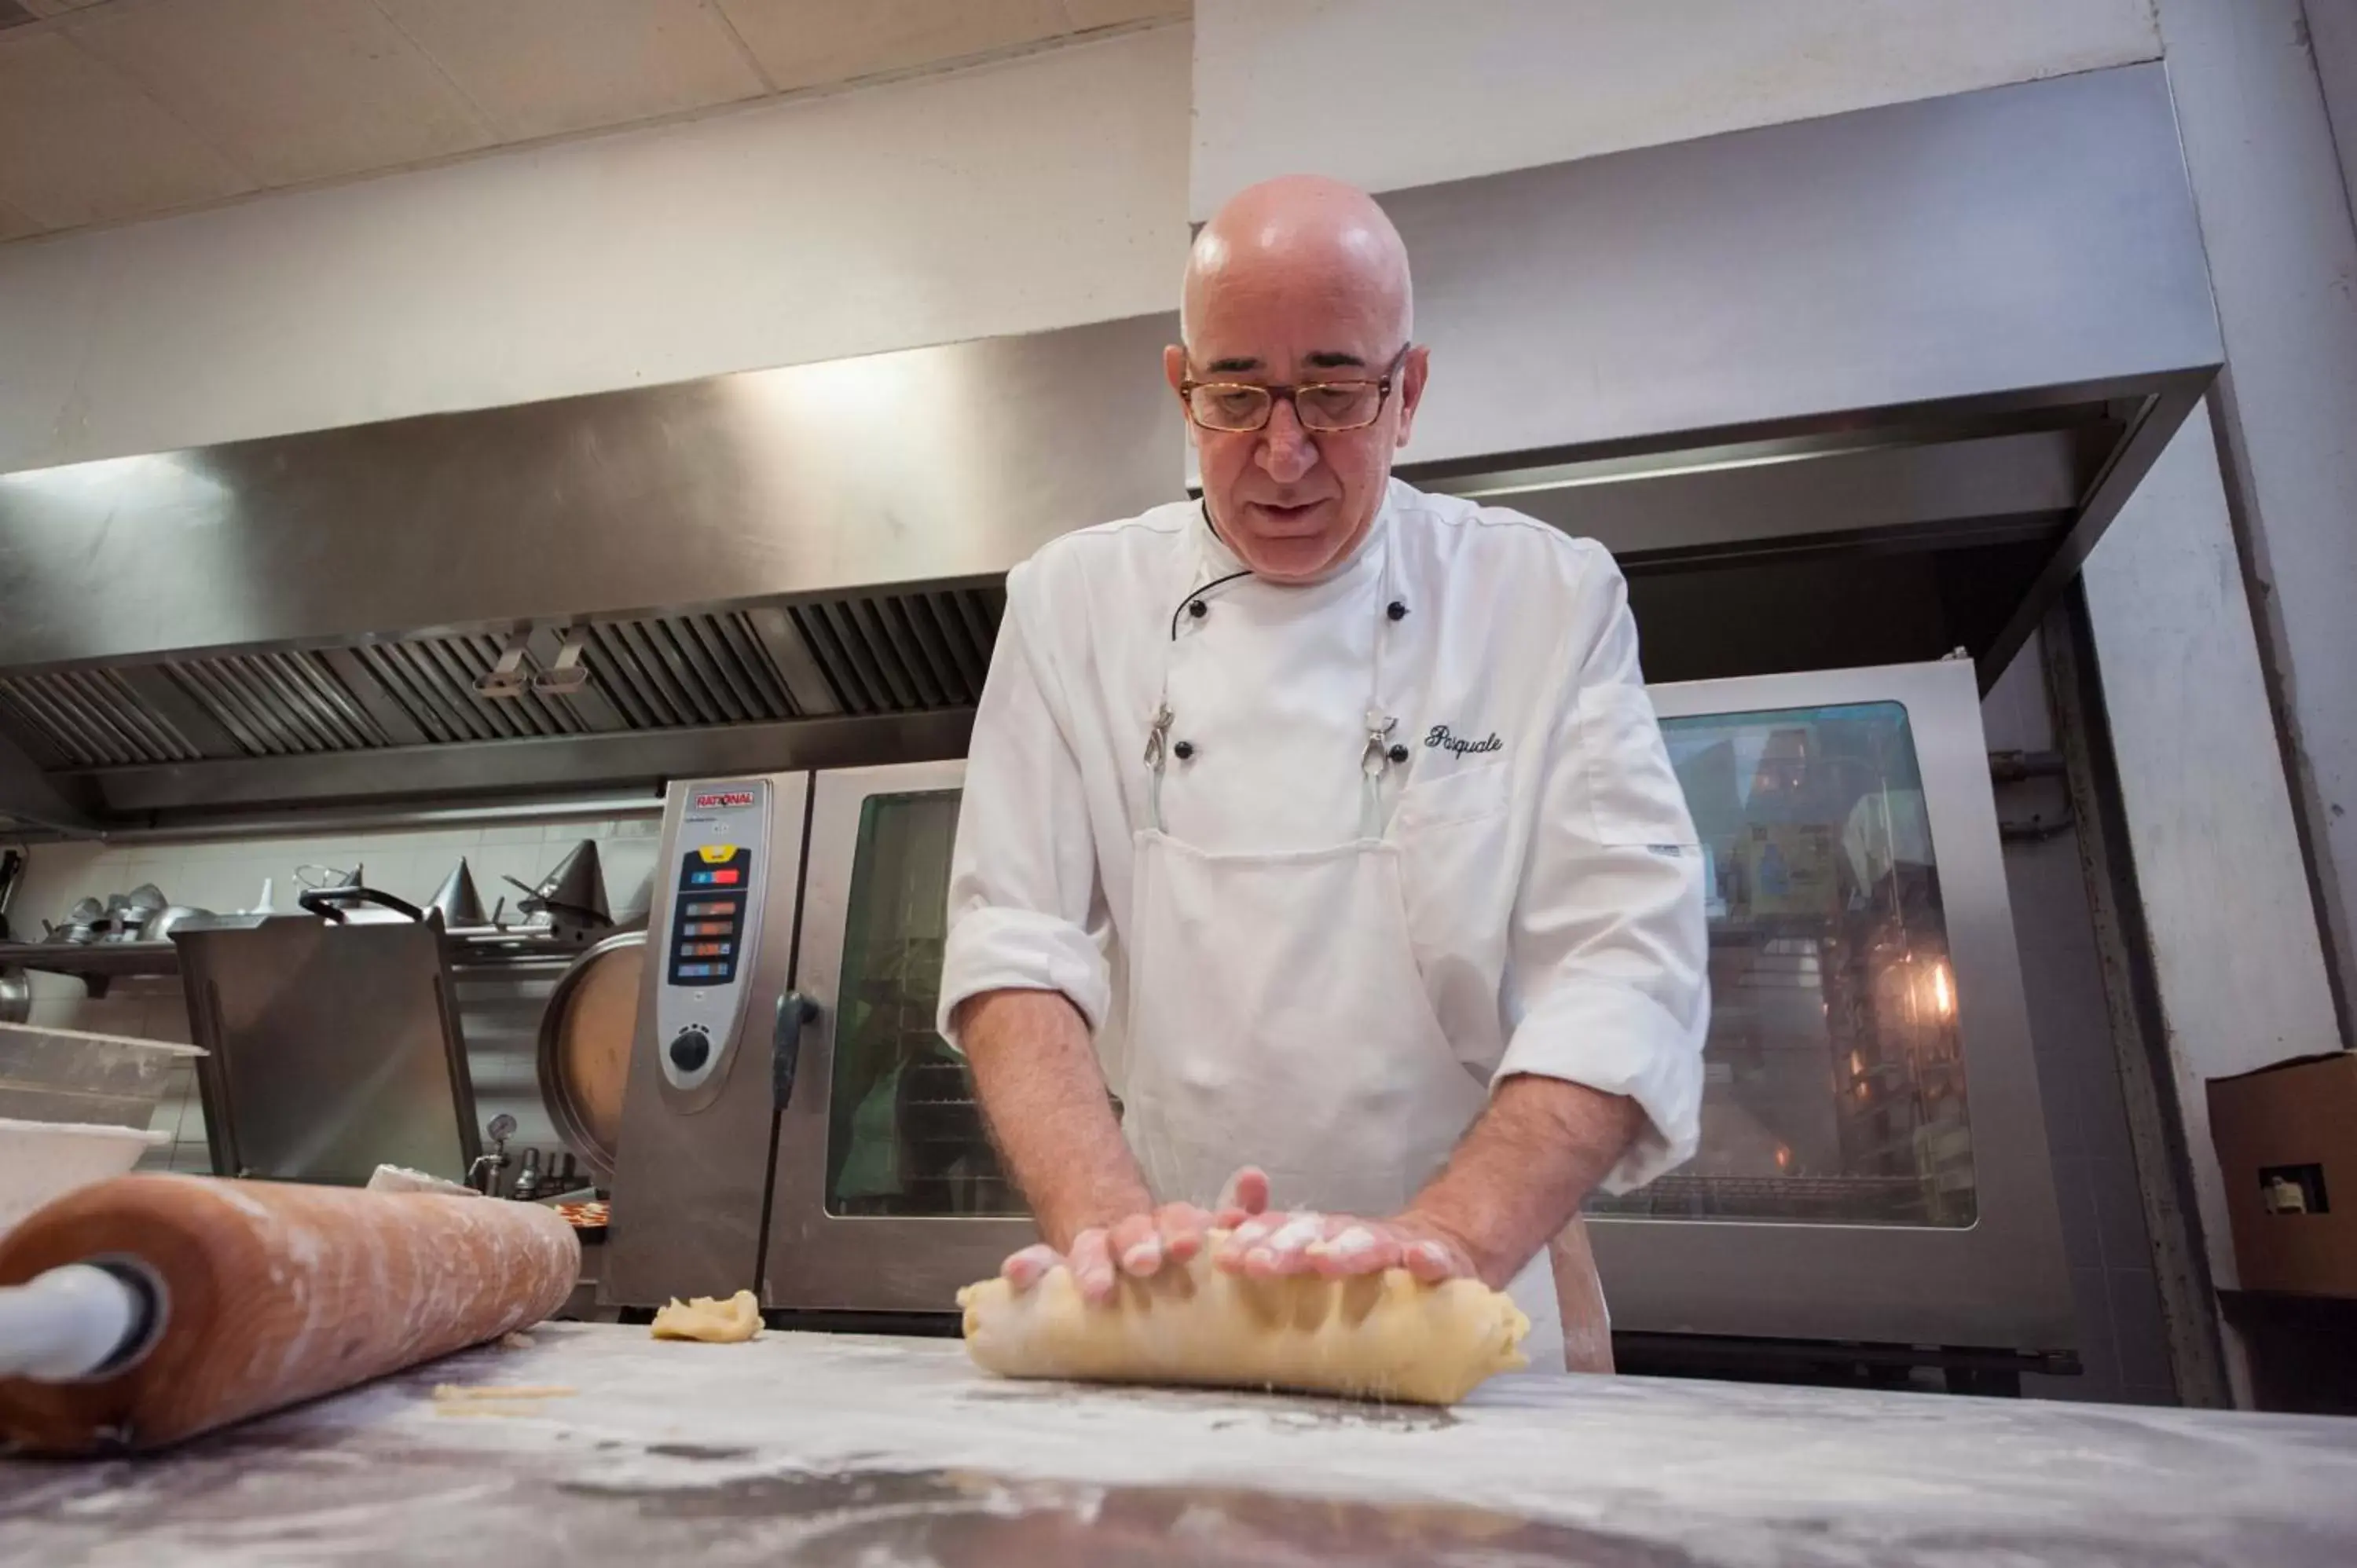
[1549, 867]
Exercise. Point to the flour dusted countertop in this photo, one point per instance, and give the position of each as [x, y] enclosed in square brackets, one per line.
[802, 1448]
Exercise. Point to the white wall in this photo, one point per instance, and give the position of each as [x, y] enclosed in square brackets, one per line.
[2283, 258]
[2332, 34]
[1432, 92]
[2234, 941]
[1038, 192]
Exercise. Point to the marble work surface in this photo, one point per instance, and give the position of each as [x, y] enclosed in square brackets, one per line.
[872, 1452]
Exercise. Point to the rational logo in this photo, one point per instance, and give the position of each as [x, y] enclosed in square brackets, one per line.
[722, 800]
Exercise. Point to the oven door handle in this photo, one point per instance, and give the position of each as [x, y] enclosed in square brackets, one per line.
[795, 1013]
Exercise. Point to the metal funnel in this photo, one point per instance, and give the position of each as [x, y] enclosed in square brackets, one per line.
[575, 893]
[457, 898]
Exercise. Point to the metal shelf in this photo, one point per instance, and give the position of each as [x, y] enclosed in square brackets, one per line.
[99, 964]
[96, 964]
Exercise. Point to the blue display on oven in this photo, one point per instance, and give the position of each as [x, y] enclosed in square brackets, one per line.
[715, 882]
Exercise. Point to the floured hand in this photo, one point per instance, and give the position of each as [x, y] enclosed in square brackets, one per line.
[1141, 1244]
[1272, 1246]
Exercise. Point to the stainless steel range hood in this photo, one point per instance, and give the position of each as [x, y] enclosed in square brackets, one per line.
[1855, 390]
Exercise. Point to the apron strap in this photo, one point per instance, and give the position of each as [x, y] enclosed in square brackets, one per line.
[1374, 760]
[1157, 747]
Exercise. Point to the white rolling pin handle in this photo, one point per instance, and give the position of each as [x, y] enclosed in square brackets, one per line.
[69, 1322]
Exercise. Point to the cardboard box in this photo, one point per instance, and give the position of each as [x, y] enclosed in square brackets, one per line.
[2286, 1140]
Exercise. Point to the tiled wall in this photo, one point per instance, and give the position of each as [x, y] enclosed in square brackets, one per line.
[500, 1015]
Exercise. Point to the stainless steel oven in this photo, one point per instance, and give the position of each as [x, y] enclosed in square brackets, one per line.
[692, 1165]
[792, 1117]
[1874, 1163]
[887, 1193]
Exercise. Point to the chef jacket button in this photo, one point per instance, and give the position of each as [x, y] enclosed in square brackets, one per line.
[1198, 609]
[1183, 750]
[1398, 752]
[1396, 610]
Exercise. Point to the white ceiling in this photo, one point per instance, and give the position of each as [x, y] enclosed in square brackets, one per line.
[113, 110]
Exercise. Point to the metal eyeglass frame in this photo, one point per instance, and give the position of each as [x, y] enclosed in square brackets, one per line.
[1382, 385]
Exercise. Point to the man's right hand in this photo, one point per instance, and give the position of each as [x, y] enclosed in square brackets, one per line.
[1140, 1244]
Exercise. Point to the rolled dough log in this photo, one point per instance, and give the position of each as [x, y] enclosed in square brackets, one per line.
[716, 1322]
[1380, 1337]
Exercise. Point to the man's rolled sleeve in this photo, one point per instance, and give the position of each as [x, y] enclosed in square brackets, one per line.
[1608, 952]
[1024, 910]
[1617, 1040]
[993, 948]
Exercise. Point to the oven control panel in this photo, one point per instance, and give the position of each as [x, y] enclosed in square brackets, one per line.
[710, 927]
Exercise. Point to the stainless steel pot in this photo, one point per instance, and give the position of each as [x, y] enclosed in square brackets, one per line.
[586, 1036]
[159, 925]
[81, 923]
[12, 871]
[127, 914]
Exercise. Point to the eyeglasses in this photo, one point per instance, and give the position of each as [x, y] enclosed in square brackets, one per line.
[1324, 406]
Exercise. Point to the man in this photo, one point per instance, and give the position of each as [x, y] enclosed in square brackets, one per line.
[1361, 788]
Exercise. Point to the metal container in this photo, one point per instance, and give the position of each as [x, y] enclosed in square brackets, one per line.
[159, 925]
[336, 1046]
[40, 1161]
[66, 1075]
[16, 988]
[585, 1047]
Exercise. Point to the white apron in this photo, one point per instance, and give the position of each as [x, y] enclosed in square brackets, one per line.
[1276, 1017]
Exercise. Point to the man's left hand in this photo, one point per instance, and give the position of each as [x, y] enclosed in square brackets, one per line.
[1273, 1246]
[1140, 1244]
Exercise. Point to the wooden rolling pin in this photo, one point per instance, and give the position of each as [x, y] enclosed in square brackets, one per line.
[181, 1304]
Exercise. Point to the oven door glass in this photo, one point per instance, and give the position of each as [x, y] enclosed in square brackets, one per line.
[1834, 1078]
[904, 1137]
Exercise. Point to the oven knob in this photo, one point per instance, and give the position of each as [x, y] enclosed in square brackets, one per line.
[690, 1049]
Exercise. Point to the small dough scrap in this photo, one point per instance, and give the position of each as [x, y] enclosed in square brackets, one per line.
[450, 1393]
[726, 1321]
[1379, 1337]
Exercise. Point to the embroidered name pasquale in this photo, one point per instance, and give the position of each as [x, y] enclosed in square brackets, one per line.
[1440, 739]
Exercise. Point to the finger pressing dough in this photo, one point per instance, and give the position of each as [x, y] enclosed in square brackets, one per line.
[1383, 1336]
[716, 1322]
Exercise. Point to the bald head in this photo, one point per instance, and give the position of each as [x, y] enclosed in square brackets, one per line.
[1296, 283]
[1301, 235]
